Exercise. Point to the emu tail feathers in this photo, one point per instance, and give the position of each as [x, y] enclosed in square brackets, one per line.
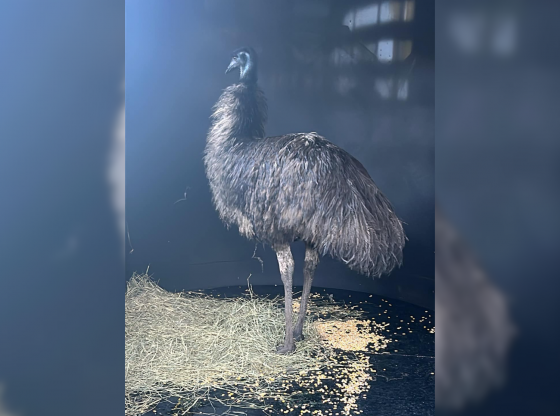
[364, 231]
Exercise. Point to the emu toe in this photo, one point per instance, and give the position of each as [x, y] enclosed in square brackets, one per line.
[285, 349]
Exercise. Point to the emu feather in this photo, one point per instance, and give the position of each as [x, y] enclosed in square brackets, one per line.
[282, 189]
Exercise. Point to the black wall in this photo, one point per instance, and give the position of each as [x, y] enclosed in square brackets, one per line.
[318, 75]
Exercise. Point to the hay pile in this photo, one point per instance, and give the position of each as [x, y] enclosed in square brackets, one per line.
[198, 348]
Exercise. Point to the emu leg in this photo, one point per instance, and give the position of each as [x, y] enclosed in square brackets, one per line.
[311, 262]
[286, 263]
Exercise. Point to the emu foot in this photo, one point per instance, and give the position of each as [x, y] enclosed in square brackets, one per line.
[285, 349]
[298, 335]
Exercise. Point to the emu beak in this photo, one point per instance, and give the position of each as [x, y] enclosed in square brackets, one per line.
[233, 64]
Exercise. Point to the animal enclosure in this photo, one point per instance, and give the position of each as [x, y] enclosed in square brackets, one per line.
[305, 170]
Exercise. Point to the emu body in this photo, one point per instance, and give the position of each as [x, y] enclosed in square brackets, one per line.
[282, 189]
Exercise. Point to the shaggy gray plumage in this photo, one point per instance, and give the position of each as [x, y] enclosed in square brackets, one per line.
[299, 186]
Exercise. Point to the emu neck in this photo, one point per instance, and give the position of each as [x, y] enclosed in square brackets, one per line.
[239, 115]
[248, 73]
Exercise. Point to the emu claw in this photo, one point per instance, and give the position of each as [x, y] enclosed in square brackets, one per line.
[285, 349]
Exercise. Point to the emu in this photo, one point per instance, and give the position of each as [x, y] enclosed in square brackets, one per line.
[295, 187]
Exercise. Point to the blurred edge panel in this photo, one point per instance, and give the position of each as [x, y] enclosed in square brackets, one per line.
[61, 307]
[497, 130]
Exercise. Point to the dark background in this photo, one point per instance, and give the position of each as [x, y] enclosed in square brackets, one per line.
[318, 75]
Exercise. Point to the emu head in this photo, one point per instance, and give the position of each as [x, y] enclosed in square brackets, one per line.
[246, 60]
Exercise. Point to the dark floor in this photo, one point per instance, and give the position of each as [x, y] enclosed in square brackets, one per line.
[403, 383]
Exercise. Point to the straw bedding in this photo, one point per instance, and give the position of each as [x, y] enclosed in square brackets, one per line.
[199, 349]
